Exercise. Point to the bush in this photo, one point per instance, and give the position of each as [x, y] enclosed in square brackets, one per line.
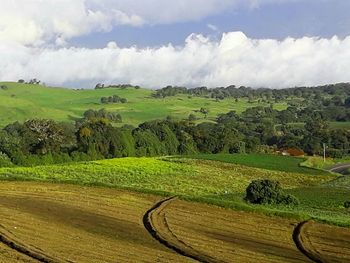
[346, 172]
[192, 117]
[347, 204]
[288, 200]
[336, 153]
[268, 192]
[5, 160]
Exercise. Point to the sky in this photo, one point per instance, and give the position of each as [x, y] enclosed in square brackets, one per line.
[155, 43]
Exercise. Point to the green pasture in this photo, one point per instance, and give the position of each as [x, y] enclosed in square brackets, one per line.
[23, 101]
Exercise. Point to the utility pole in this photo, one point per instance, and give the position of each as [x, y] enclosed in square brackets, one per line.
[324, 152]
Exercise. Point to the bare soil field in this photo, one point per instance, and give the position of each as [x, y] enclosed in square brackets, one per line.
[325, 243]
[67, 223]
[76, 224]
[213, 234]
[230, 236]
[8, 255]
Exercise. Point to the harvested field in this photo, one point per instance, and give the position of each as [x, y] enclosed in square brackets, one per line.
[230, 236]
[325, 243]
[79, 224]
[67, 223]
[213, 234]
[8, 255]
[156, 223]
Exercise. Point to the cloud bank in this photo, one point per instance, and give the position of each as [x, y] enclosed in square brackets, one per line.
[234, 59]
[36, 22]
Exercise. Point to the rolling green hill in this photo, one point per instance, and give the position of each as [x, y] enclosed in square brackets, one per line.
[23, 101]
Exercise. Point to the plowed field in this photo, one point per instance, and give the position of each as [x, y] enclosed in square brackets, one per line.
[66, 223]
[71, 223]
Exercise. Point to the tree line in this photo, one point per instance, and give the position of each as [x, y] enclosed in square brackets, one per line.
[220, 93]
[113, 99]
[258, 129]
[116, 86]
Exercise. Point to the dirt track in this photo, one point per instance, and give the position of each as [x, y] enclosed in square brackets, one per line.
[340, 168]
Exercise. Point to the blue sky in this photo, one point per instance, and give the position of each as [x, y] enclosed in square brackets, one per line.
[154, 43]
[320, 18]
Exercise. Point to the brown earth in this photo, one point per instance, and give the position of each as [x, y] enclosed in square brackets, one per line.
[231, 236]
[90, 224]
[326, 243]
[8, 255]
[79, 224]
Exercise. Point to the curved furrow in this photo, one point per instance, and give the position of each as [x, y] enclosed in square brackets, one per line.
[156, 224]
[322, 242]
[7, 238]
[298, 237]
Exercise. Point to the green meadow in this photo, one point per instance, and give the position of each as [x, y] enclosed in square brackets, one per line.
[23, 101]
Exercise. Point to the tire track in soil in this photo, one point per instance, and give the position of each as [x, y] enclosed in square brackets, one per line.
[298, 237]
[7, 238]
[156, 224]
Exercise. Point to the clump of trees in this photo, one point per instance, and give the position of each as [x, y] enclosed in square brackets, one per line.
[113, 99]
[170, 91]
[317, 94]
[204, 111]
[116, 86]
[192, 117]
[32, 81]
[5, 161]
[268, 192]
[102, 114]
[347, 204]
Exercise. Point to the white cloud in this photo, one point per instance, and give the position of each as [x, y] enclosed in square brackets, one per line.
[35, 22]
[235, 59]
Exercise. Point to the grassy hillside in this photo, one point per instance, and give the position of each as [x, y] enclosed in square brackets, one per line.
[23, 101]
[219, 183]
